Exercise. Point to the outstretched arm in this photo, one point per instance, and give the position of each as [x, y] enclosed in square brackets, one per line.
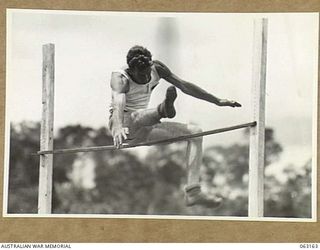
[119, 87]
[190, 88]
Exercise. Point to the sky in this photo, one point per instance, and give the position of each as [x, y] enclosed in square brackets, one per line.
[214, 51]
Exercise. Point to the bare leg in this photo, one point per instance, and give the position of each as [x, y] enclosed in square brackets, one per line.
[194, 158]
[138, 119]
[145, 117]
[167, 130]
[149, 117]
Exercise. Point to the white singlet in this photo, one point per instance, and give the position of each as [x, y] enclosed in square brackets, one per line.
[138, 96]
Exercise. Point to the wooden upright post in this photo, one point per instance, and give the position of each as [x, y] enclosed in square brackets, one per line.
[46, 137]
[257, 133]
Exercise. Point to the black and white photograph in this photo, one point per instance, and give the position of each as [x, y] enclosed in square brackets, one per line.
[161, 115]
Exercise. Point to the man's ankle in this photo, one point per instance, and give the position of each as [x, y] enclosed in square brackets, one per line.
[192, 187]
[160, 110]
[194, 196]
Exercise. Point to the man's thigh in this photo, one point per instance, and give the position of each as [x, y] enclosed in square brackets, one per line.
[163, 130]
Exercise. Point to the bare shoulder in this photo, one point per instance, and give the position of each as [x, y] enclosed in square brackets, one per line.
[119, 83]
[162, 69]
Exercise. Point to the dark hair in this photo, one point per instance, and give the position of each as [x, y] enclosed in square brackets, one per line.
[139, 56]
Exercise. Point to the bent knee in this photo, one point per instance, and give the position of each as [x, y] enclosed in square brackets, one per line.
[134, 115]
[195, 129]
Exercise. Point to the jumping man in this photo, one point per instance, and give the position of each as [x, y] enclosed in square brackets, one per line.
[133, 122]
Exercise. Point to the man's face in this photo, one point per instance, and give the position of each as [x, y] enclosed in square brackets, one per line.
[142, 70]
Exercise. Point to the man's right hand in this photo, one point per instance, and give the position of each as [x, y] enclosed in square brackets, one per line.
[119, 135]
[225, 102]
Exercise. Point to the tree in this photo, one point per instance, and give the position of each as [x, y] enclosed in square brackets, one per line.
[293, 197]
[226, 172]
[23, 167]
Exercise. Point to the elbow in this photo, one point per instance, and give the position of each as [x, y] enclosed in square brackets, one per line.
[184, 89]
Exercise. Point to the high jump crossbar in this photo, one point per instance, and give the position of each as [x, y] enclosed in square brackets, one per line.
[257, 127]
[148, 143]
